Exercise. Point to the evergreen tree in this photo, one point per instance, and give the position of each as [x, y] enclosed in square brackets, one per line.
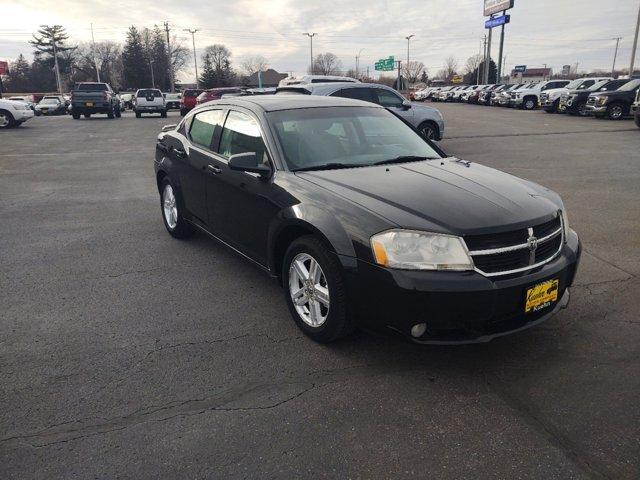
[208, 78]
[50, 42]
[19, 76]
[135, 63]
[471, 77]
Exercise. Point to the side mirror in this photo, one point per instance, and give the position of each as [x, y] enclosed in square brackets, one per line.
[248, 162]
[406, 104]
[167, 128]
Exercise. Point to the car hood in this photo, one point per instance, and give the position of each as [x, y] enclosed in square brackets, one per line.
[555, 91]
[448, 195]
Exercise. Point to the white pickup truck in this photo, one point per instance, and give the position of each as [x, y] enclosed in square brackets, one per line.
[14, 113]
[529, 98]
[550, 99]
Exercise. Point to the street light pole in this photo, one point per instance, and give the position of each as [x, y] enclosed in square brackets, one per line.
[95, 59]
[615, 55]
[195, 58]
[358, 63]
[635, 45]
[153, 81]
[311, 35]
[407, 67]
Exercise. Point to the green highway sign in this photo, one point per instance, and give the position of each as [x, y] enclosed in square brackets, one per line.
[385, 64]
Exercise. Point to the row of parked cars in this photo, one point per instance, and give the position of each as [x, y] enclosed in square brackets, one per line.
[602, 97]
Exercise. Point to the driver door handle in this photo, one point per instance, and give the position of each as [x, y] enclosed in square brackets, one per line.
[214, 169]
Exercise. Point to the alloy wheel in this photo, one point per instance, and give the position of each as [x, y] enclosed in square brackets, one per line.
[169, 207]
[4, 120]
[616, 112]
[427, 132]
[309, 290]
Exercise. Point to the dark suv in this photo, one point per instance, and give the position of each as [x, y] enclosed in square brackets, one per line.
[574, 102]
[614, 105]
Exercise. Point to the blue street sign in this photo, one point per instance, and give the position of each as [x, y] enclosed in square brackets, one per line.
[520, 68]
[497, 21]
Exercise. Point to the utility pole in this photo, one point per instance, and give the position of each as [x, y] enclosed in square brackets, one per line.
[358, 63]
[399, 76]
[195, 58]
[635, 45]
[153, 81]
[484, 62]
[408, 40]
[171, 79]
[479, 55]
[500, 52]
[311, 35]
[95, 59]
[615, 55]
[56, 65]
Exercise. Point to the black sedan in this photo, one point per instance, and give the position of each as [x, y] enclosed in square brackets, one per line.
[364, 222]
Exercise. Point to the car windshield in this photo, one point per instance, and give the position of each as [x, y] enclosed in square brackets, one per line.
[629, 86]
[597, 85]
[574, 84]
[49, 101]
[336, 137]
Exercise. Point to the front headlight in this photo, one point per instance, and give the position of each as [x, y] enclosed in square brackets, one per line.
[565, 224]
[601, 100]
[412, 250]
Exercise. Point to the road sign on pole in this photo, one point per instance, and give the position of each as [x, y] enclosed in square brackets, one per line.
[385, 64]
[497, 21]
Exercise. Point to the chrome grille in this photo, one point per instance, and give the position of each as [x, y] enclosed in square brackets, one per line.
[517, 250]
[591, 101]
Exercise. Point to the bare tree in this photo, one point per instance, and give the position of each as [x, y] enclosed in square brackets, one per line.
[450, 67]
[180, 54]
[252, 64]
[473, 63]
[327, 64]
[412, 71]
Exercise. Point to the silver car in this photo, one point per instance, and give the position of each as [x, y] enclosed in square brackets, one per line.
[427, 120]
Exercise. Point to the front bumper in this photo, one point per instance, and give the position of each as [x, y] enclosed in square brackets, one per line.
[457, 307]
[515, 102]
[635, 109]
[23, 115]
[596, 109]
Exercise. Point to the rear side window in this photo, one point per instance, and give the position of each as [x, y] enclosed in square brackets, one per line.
[241, 134]
[149, 93]
[365, 94]
[388, 99]
[203, 127]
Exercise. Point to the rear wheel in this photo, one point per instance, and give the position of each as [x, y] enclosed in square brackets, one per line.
[183, 112]
[87, 115]
[6, 119]
[163, 114]
[118, 113]
[76, 116]
[615, 111]
[637, 120]
[138, 115]
[315, 290]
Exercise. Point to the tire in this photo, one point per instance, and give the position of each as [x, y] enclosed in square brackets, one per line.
[172, 208]
[87, 115]
[331, 319]
[636, 118]
[118, 113]
[529, 103]
[183, 112]
[110, 113]
[615, 111]
[76, 116]
[138, 115]
[163, 114]
[6, 119]
[429, 131]
[554, 108]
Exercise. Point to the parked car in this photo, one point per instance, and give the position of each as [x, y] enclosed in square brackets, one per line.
[464, 96]
[574, 102]
[614, 105]
[305, 79]
[427, 120]
[475, 94]
[216, 94]
[484, 97]
[635, 109]
[364, 222]
[14, 113]
[173, 100]
[451, 94]
[189, 100]
[458, 93]
[529, 98]
[437, 96]
[88, 98]
[126, 101]
[149, 100]
[51, 105]
[550, 99]
[422, 94]
[503, 98]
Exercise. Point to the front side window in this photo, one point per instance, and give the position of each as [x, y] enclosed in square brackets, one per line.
[388, 99]
[241, 134]
[203, 127]
[349, 136]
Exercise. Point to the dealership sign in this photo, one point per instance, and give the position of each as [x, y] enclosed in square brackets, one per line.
[4, 66]
[520, 68]
[495, 6]
[497, 21]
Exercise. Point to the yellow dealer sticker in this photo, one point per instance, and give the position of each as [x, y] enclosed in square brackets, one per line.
[541, 296]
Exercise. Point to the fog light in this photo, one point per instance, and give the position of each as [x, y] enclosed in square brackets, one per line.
[418, 330]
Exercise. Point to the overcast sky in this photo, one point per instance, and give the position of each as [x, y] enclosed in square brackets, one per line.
[555, 32]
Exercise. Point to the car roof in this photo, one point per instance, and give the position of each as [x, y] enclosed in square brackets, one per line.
[271, 103]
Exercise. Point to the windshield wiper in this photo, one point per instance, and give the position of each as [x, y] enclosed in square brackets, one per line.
[403, 159]
[325, 166]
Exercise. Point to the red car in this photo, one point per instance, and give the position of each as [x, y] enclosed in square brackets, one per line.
[188, 100]
[216, 94]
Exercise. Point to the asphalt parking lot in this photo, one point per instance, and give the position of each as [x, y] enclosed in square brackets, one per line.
[127, 354]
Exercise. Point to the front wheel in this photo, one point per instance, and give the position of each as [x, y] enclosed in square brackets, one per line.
[315, 290]
[615, 111]
[529, 103]
[428, 130]
[172, 211]
[637, 120]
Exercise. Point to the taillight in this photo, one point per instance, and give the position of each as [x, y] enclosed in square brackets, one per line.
[104, 96]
